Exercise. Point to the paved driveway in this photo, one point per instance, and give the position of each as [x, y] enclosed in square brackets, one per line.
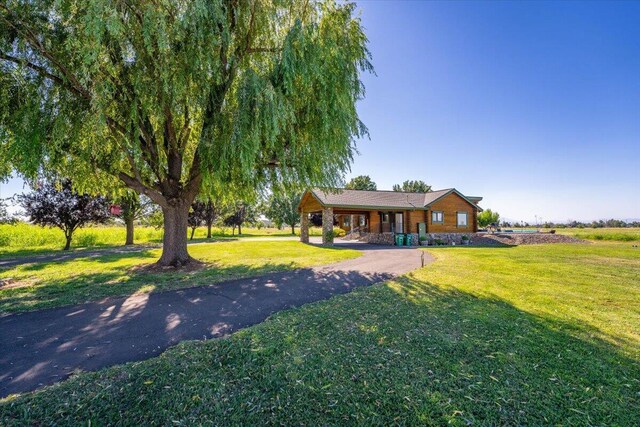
[46, 346]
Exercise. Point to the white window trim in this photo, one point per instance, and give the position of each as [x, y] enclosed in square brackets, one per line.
[437, 212]
[466, 220]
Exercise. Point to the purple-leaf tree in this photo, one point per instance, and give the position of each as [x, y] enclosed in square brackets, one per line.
[60, 206]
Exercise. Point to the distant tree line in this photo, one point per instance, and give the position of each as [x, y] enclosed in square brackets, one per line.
[364, 182]
[610, 223]
[5, 216]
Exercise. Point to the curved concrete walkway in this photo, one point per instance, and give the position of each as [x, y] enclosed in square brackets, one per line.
[46, 346]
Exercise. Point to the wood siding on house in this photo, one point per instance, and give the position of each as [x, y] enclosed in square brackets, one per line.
[450, 205]
[310, 203]
[374, 222]
[413, 218]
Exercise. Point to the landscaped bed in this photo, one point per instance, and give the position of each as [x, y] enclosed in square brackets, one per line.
[32, 286]
[530, 335]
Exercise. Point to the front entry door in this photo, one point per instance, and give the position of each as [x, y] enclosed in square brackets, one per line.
[398, 223]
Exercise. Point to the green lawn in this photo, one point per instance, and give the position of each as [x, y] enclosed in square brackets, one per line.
[529, 335]
[49, 284]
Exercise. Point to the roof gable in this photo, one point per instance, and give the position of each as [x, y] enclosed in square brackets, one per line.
[431, 200]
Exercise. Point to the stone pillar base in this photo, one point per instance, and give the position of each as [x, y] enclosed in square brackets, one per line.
[327, 226]
[304, 227]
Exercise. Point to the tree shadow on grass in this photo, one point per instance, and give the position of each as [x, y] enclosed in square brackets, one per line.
[405, 352]
[412, 353]
[36, 257]
[48, 345]
[93, 284]
[103, 258]
[99, 274]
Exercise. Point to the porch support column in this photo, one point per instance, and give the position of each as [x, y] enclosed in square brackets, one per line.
[351, 221]
[304, 227]
[327, 226]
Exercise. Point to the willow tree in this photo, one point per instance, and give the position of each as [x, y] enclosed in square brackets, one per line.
[170, 96]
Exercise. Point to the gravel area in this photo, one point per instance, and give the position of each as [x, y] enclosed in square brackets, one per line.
[487, 239]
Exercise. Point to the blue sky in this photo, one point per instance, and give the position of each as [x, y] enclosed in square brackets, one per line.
[533, 105]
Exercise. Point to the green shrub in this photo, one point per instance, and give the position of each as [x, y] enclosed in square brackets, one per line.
[339, 232]
[329, 236]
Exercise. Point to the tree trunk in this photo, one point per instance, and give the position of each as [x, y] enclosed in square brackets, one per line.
[293, 229]
[129, 223]
[193, 231]
[67, 236]
[239, 229]
[208, 230]
[174, 242]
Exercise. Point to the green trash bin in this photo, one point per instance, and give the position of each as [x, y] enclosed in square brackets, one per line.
[407, 240]
[399, 239]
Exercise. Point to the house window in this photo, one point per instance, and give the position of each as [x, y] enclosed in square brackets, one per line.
[437, 217]
[346, 222]
[363, 220]
[385, 217]
[462, 219]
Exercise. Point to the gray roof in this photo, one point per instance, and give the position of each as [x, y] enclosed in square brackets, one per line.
[380, 199]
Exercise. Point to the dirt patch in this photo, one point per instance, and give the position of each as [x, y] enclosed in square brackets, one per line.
[154, 268]
[13, 284]
[514, 239]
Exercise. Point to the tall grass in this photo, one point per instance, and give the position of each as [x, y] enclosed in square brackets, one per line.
[604, 234]
[23, 237]
[31, 237]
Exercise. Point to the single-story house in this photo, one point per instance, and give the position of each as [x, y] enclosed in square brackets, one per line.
[387, 213]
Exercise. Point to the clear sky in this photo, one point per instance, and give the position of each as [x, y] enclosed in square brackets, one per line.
[533, 105]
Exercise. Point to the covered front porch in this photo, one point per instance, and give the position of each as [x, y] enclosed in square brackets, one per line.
[384, 221]
[348, 220]
[353, 221]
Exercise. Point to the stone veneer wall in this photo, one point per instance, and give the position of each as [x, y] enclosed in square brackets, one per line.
[483, 239]
[377, 238]
[389, 238]
[448, 238]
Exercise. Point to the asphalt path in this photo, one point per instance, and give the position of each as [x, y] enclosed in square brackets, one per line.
[46, 346]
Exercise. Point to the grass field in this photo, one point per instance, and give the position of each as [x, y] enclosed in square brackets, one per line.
[23, 239]
[529, 335]
[47, 284]
[603, 234]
